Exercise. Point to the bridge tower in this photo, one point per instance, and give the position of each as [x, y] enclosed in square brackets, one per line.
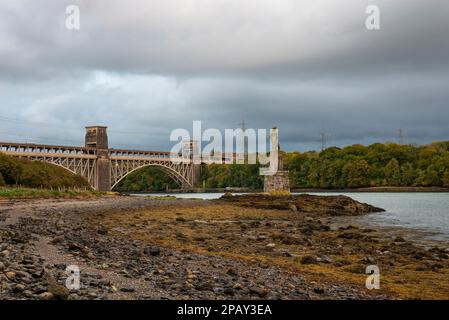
[97, 138]
[190, 149]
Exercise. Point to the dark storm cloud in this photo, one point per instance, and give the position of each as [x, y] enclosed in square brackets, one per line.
[151, 66]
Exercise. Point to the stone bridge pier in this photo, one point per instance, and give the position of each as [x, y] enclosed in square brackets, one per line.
[97, 138]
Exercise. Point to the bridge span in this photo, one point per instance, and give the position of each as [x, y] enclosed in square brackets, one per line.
[101, 166]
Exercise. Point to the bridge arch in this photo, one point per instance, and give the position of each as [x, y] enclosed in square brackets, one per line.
[105, 167]
[90, 183]
[172, 173]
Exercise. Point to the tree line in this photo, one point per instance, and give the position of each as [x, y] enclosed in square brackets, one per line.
[353, 166]
[370, 166]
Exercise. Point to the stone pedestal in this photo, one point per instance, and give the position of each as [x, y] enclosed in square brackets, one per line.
[97, 138]
[277, 182]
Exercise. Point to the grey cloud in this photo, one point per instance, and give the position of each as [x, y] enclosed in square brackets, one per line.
[152, 66]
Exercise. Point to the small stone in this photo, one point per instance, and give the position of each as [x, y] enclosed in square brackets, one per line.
[2, 266]
[74, 247]
[308, 260]
[258, 291]
[27, 294]
[10, 275]
[152, 251]
[368, 260]
[57, 239]
[5, 253]
[127, 289]
[342, 262]
[228, 291]
[90, 256]
[326, 259]
[237, 286]
[46, 296]
[102, 230]
[58, 291]
[18, 288]
[436, 266]
[203, 286]
[232, 272]
[60, 266]
[191, 276]
[318, 290]
[422, 268]
[285, 253]
[270, 245]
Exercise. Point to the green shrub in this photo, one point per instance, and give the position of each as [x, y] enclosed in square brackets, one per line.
[35, 174]
[2, 182]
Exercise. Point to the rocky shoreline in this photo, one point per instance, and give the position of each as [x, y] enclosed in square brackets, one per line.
[149, 248]
[305, 203]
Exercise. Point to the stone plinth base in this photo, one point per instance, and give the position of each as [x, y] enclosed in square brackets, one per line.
[277, 182]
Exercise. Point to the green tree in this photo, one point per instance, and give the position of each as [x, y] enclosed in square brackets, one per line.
[445, 179]
[392, 173]
[408, 175]
[36, 174]
[10, 169]
[2, 182]
[357, 173]
[353, 166]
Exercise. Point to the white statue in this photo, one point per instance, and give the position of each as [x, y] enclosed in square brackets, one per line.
[274, 154]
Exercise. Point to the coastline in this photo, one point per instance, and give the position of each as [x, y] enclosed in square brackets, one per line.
[297, 190]
[376, 189]
[147, 248]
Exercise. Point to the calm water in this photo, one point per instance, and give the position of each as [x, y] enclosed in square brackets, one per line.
[423, 211]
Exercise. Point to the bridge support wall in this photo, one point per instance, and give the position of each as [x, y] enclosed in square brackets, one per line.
[97, 137]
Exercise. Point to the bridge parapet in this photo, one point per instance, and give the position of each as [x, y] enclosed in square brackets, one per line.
[10, 147]
[138, 153]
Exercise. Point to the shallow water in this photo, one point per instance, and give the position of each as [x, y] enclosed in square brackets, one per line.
[425, 211]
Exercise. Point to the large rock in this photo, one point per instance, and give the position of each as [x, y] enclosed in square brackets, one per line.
[58, 291]
[329, 205]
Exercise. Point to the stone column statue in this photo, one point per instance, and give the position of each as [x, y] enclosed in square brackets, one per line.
[275, 178]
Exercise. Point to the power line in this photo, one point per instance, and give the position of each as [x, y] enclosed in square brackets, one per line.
[400, 136]
[323, 138]
[243, 125]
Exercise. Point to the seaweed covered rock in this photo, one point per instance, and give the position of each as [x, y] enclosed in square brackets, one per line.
[329, 205]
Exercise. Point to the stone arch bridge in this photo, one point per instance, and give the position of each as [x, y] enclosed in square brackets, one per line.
[101, 166]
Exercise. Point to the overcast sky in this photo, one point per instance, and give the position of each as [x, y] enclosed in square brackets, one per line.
[146, 67]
